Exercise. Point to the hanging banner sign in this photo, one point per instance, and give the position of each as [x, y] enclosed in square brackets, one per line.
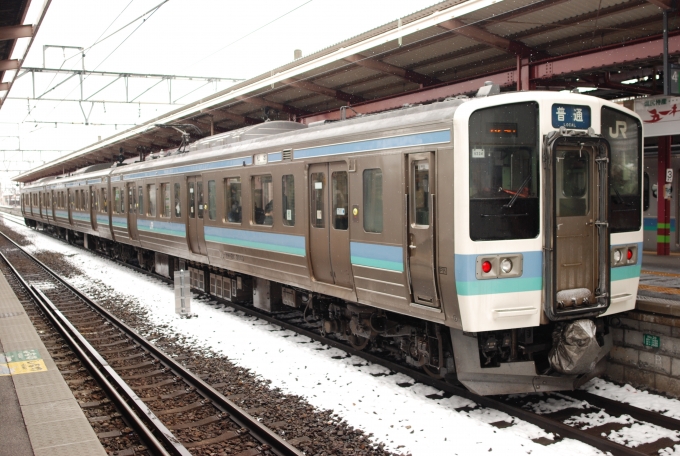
[660, 115]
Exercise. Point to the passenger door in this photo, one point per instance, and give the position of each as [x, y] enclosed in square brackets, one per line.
[195, 215]
[580, 234]
[421, 221]
[132, 211]
[329, 223]
[93, 207]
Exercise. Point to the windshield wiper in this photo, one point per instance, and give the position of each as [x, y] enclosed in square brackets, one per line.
[521, 187]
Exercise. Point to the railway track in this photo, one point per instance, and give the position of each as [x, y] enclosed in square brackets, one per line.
[567, 415]
[173, 410]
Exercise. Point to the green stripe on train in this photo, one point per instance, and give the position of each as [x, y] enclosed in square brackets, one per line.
[496, 286]
[380, 264]
[626, 272]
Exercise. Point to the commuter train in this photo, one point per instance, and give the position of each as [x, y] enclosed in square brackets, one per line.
[486, 240]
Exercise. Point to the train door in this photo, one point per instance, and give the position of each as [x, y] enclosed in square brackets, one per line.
[421, 221]
[69, 204]
[195, 215]
[329, 223]
[132, 211]
[53, 204]
[580, 233]
[40, 204]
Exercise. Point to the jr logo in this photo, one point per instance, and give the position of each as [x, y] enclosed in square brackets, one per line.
[621, 127]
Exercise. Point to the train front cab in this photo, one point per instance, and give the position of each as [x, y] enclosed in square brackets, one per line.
[548, 238]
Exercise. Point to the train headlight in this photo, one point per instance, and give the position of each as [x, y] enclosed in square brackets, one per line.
[617, 256]
[506, 265]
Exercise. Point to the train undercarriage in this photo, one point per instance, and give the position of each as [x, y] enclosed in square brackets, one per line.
[554, 356]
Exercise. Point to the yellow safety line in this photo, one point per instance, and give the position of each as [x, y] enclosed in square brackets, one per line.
[663, 274]
[664, 290]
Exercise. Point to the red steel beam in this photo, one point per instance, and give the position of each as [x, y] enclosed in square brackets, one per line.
[9, 65]
[12, 32]
[645, 48]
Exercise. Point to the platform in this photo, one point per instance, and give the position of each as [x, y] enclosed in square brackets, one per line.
[39, 414]
[659, 290]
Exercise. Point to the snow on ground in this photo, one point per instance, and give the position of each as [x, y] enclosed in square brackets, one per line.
[363, 394]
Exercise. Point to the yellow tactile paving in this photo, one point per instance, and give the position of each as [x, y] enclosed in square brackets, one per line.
[27, 367]
[664, 290]
[661, 274]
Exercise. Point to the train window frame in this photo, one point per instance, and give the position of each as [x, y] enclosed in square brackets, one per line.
[288, 199]
[178, 200]
[233, 210]
[339, 201]
[140, 200]
[212, 200]
[165, 194]
[373, 213]
[151, 200]
[504, 168]
[317, 200]
[265, 216]
[646, 190]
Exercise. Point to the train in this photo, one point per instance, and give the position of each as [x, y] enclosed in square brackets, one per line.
[486, 240]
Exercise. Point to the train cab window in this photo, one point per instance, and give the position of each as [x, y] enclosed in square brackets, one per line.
[165, 192]
[151, 190]
[624, 134]
[340, 200]
[319, 183]
[140, 200]
[192, 200]
[645, 193]
[288, 202]
[421, 196]
[232, 199]
[262, 190]
[178, 205]
[373, 200]
[572, 180]
[212, 200]
[504, 184]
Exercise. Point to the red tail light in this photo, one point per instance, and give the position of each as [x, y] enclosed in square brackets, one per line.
[486, 266]
[630, 254]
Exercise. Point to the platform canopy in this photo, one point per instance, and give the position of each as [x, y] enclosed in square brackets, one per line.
[612, 47]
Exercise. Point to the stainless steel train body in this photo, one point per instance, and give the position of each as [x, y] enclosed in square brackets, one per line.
[461, 235]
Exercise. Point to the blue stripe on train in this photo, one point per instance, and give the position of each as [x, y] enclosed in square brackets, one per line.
[531, 279]
[273, 242]
[160, 227]
[379, 256]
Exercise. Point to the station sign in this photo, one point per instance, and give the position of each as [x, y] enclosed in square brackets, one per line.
[649, 340]
[570, 116]
[660, 115]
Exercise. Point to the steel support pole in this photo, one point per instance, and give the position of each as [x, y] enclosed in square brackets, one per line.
[663, 222]
[666, 66]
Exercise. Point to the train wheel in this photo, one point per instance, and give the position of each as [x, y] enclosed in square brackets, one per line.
[358, 342]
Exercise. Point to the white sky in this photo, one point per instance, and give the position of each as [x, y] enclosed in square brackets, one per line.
[182, 38]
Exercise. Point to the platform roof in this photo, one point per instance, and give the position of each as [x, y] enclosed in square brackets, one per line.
[449, 49]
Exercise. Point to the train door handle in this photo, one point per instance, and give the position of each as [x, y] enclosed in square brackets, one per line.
[411, 246]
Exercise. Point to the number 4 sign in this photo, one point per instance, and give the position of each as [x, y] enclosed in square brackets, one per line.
[669, 175]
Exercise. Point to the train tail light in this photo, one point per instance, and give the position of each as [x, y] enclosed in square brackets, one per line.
[486, 267]
[629, 254]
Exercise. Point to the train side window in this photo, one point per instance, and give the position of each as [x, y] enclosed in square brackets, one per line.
[151, 190]
[178, 204]
[165, 191]
[86, 199]
[232, 199]
[340, 200]
[116, 200]
[645, 194]
[262, 189]
[288, 203]
[131, 199]
[318, 207]
[192, 200]
[105, 200]
[212, 200]
[140, 200]
[421, 196]
[95, 201]
[373, 200]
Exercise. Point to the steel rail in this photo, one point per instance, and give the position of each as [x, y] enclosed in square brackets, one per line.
[236, 413]
[84, 351]
[546, 423]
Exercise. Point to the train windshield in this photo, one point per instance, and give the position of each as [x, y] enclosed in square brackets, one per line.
[625, 139]
[504, 182]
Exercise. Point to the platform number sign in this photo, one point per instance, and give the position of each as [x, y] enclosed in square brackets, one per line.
[648, 340]
[669, 175]
[675, 80]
